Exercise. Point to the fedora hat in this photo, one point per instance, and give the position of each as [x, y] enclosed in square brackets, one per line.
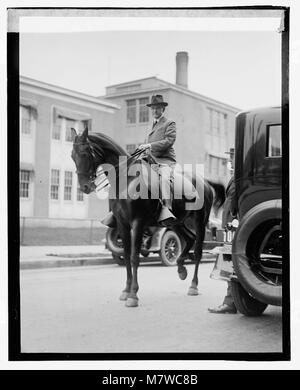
[157, 100]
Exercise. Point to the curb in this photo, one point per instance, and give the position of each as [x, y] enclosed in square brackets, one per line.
[58, 263]
[84, 261]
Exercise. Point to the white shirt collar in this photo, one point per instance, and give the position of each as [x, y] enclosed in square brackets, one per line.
[155, 120]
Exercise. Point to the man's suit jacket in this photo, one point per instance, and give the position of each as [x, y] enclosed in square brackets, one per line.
[162, 138]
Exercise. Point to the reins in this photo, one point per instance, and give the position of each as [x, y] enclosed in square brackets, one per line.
[132, 157]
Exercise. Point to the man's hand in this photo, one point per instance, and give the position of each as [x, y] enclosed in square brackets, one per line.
[144, 146]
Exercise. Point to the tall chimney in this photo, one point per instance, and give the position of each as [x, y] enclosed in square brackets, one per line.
[182, 59]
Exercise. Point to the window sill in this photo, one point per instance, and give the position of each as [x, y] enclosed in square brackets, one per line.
[27, 135]
[137, 124]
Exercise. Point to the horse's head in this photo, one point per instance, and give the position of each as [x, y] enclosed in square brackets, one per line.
[85, 161]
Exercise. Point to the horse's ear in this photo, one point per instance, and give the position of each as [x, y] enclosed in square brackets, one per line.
[73, 134]
[84, 134]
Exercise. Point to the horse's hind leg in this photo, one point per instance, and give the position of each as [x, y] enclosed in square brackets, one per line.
[181, 269]
[200, 233]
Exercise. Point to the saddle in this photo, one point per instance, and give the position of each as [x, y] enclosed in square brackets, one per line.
[149, 183]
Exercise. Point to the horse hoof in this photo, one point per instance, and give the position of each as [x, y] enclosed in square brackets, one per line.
[124, 296]
[182, 273]
[193, 291]
[132, 302]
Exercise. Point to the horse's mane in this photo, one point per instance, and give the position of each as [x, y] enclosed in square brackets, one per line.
[104, 142]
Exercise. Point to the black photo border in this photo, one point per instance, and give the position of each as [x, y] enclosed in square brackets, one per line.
[14, 330]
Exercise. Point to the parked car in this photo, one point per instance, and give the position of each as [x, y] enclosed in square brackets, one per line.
[156, 239]
[162, 241]
[253, 260]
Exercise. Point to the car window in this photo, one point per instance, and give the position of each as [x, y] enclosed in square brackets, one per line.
[274, 147]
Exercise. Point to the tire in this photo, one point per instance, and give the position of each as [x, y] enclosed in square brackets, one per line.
[113, 241]
[244, 303]
[246, 252]
[171, 248]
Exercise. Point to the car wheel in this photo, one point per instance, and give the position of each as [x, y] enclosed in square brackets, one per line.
[171, 248]
[114, 241]
[257, 252]
[244, 303]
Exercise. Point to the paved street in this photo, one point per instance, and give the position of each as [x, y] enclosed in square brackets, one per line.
[76, 309]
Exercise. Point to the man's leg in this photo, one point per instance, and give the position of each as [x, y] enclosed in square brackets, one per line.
[166, 183]
[227, 306]
[166, 217]
[228, 300]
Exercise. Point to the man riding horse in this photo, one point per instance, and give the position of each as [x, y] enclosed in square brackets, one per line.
[134, 214]
[159, 143]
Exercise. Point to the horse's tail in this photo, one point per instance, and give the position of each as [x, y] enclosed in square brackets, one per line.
[220, 194]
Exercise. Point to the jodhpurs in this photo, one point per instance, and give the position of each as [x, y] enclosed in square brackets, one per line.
[166, 180]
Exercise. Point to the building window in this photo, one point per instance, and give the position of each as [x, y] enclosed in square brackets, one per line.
[131, 111]
[210, 164]
[223, 167]
[143, 110]
[217, 129]
[131, 148]
[54, 190]
[25, 120]
[213, 166]
[215, 122]
[68, 186]
[24, 183]
[69, 124]
[56, 131]
[79, 194]
[274, 141]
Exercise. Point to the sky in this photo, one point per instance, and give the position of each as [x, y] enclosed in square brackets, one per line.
[241, 68]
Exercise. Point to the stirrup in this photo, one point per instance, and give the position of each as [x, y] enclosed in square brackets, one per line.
[109, 220]
[166, 217]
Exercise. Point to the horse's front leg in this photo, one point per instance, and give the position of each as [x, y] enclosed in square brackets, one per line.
[136, 242]
[126, 239]
[200, 233]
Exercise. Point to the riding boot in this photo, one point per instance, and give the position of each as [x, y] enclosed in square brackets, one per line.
[109, 220]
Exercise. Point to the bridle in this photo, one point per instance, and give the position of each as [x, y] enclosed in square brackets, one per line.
[92, 174]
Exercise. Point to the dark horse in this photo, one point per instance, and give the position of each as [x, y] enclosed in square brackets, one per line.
[134, 215]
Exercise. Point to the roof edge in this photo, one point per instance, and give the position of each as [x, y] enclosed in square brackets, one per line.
[174, 87]
[55, 88]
